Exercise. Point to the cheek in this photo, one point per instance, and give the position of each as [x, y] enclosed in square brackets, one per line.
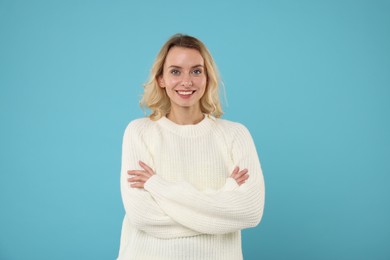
[202, 82]
[171, 81]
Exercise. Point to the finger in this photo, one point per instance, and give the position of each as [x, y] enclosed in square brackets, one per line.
[138, 173]
[240, 183]
[242, 179]
[146, 168]
[139, 185]
[137, 179]
[235, 171]
[135, 172]
[241, 173]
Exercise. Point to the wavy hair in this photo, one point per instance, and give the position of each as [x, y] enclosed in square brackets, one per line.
[155, 97]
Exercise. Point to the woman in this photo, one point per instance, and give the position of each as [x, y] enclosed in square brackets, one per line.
[190, 181]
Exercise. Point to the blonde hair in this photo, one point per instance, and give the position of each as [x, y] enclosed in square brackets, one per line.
[155, 97]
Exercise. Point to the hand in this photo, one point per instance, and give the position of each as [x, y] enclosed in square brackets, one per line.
[240, 176]
[139, 177]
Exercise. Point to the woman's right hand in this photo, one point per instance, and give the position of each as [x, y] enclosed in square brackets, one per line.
[240, 176]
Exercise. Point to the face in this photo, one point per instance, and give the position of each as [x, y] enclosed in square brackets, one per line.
[184, 78]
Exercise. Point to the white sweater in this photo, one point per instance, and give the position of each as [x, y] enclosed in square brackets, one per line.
[190, 209]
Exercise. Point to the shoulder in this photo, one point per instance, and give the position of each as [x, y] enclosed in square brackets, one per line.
[140, 123]
[139, 126]
[233, 131]
[238, 135]
[230, 126]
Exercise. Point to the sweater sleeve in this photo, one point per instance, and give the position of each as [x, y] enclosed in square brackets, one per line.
[141, 209]
[219, 212]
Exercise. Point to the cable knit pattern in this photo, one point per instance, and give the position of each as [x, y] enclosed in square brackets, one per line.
[190, 209]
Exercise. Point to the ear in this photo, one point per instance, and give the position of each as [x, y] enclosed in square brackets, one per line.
[161, 82]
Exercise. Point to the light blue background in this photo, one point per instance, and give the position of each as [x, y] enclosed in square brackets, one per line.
[310, 79]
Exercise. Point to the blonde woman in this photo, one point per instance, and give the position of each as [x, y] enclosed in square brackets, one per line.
[190, 181]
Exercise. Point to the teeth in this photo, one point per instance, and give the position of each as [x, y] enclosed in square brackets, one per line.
[185, 92]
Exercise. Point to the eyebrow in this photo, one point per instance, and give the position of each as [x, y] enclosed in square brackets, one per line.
[178, 67]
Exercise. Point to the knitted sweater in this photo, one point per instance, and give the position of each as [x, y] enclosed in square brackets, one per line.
[190, 209]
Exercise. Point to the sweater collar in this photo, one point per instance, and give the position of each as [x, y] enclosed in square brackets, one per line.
[195, 130]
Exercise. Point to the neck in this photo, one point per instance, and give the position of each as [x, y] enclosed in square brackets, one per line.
[185, 116]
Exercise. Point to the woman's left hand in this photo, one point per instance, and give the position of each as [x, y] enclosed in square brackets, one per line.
[139, 177]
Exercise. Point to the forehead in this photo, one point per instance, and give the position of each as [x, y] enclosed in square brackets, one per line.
[181, 56]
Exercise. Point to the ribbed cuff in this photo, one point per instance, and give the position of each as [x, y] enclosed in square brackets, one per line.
[153, 181]
[230, 184]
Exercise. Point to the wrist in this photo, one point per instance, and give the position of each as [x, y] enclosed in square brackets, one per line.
[150, 181]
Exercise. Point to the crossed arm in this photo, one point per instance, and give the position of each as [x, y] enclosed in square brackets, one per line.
[169, 210]
[139, 177]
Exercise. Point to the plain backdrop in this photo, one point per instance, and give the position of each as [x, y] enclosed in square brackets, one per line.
[310, 79]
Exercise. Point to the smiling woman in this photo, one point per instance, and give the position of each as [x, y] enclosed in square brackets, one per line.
[182, 53]
[190, 181]
[184, 81]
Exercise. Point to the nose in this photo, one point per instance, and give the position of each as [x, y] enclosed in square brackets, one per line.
[186, 84]
[186, 80]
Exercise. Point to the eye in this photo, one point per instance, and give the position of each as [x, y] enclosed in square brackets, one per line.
[175, 72]
[197, 71]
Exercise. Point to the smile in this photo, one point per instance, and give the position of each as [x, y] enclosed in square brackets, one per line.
[185, 92]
